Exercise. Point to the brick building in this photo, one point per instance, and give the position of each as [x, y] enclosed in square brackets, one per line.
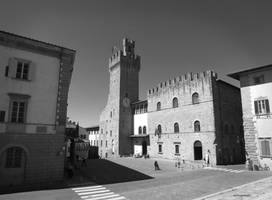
[256, 92]
[184, 117]
[35, 78]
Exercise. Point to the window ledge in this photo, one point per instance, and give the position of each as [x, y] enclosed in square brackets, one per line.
[160, 153]
[268, 156]
[21, 79]
[177, 154]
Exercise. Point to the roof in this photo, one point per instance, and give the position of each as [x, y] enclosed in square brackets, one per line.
[25, 43]
[139, 102]
[237, 75]
[93, 128]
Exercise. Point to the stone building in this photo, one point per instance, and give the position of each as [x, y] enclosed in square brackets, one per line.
[116, 120]
[193, 114]
[35, 79]
[256, 92]
[184, 117]
[93, 135]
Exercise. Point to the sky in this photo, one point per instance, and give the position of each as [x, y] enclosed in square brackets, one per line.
[172, 37]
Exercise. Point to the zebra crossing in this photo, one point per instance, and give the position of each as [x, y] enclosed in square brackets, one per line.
[224, 169]
[97, 192]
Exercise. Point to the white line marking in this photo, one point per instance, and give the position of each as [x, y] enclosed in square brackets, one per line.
[117, 198]
[94, 192]
[104, 197]
[89, 187]
[89, 190]
[96, 195]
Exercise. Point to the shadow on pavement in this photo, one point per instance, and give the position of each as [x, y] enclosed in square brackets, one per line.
[103, 171]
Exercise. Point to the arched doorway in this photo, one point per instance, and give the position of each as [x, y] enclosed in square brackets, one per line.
[198, 150]
[12, 166]
[144, 145]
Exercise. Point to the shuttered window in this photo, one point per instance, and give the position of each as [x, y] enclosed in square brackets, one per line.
[261, 107]
[265, 147]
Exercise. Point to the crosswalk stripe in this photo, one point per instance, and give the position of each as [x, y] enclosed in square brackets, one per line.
[96, 195]
[94, 192]
[117, 198]
[88, 190]
[224, 169]
[89, 187]
[104, 197]
[97, 192]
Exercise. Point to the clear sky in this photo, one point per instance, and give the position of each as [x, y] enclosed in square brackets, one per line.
[172, 38]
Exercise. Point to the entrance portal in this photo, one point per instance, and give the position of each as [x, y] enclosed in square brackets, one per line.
[198, 150]
[144, 144]
[12, 166]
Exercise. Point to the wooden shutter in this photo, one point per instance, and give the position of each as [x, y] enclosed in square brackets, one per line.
[267, 106]
[12, 67]
[256, 107]
[263, 150]
[32, 71]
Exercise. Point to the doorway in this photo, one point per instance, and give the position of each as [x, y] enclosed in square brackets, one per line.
[144, 145]
[198, 150]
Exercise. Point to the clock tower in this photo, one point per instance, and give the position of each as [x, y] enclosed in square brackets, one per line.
[116, 120]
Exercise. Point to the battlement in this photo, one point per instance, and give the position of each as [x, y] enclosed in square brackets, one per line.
[185, 79]
[126, 54]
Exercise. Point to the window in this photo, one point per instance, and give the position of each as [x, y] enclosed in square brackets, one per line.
[14, 157]
[2, 116]
[6, 71]
[226, 129]
[175, 102]
[160, 148]
[144, 130]
[140, 130]
[18, 111]
[258, 79]
[159, 129]
[22, 70]
[159, 106]
[110, 133]
[265, 147]
[197, 126]
[232, 130]
[106, 143]
[101, 143]
[195, 98]
[111, 114]
[176, 149]
[176, 128]
[262, 107]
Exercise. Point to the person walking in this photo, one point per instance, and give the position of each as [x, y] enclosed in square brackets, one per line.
[207, 158]
[156, 165]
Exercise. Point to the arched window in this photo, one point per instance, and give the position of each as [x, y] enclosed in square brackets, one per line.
[175, 102]
[14, 156]
[140, 130]
[144, 130]
[176, 128]
[197, 126]
[159, 128]
[232, 130]
[159, 106]
[195, 98]
[226, 129]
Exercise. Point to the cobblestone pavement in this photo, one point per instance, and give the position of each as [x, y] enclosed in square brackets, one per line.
[257, 190]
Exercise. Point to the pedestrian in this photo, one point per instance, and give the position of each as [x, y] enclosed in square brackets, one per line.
[156, 165]
[207, 158]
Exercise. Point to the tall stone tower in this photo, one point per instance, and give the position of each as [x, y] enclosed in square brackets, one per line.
[116, 120]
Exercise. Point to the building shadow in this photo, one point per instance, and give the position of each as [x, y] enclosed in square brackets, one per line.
[103, 171]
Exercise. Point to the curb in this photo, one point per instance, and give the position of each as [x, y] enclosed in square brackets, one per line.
[232, 189]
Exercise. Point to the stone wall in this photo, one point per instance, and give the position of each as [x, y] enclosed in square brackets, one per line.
[44, 156]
